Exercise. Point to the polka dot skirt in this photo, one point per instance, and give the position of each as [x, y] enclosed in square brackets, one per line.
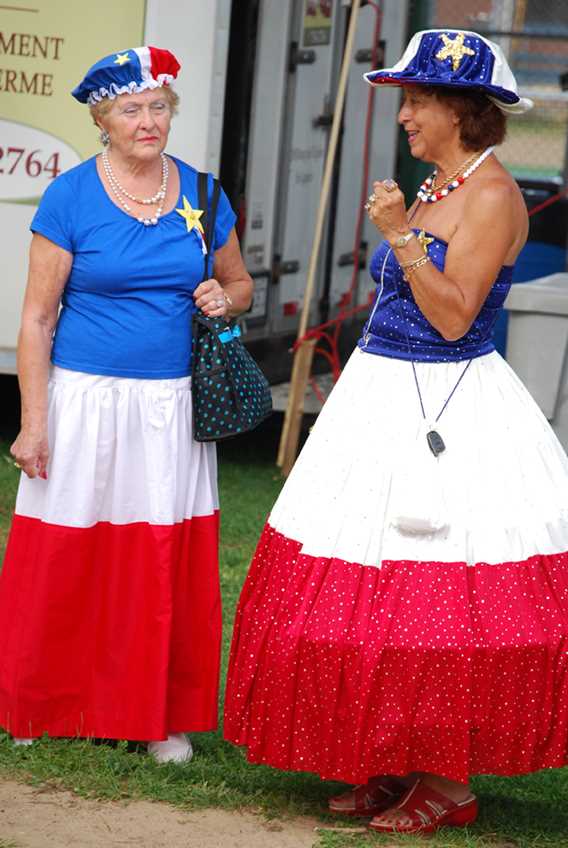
[361, 649]
[352, 671]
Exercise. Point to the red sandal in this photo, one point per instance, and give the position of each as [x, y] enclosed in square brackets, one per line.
[369, 799]
[423, 810]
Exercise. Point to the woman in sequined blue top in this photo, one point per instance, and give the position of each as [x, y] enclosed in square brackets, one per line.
[404, 622]
[448, 305]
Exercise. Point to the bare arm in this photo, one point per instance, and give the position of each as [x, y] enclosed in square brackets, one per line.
[230, 276]
[488, 230]
[49, 269]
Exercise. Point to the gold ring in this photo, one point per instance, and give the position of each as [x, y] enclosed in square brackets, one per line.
[367, 207]
[389, 185]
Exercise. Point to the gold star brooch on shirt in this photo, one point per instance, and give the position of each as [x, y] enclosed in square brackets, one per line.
[191, 216]
[454, 50]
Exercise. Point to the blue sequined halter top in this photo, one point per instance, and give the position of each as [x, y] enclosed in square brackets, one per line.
[396, 319]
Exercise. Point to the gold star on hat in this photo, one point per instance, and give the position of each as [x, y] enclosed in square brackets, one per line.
[121, 59]
[191, 216]
[454, 50]
[424, 240]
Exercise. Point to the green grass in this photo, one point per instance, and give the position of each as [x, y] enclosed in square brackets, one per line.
[525, 812]
[9, 476]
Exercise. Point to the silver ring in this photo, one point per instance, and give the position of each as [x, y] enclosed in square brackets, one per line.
[220, 302]
[368, 206]
[372, 198]
[389, 185]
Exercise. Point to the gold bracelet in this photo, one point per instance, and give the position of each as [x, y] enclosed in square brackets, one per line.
[408, 267]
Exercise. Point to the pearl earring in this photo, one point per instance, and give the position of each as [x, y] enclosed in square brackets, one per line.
[104, 138]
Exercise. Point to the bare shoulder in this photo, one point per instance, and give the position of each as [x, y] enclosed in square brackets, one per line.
[494, 188]
[495, 198]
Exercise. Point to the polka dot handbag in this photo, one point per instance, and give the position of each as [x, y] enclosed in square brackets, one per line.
[230, 394]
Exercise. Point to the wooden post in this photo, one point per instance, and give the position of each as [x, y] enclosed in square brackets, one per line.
[290, 437]
[304, 354]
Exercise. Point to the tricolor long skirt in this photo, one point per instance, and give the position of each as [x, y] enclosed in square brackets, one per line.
[110, 614]
[405, 613]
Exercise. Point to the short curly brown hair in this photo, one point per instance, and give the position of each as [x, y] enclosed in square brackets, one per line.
[482, 123]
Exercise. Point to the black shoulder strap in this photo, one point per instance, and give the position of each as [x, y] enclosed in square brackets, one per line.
[209, 212]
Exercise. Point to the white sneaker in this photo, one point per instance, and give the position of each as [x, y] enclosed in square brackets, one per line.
[175, 749]
[20, 740]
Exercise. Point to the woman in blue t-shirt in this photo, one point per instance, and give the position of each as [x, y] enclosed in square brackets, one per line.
[110, 614]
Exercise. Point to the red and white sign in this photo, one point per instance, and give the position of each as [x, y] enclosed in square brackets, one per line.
[29, 160]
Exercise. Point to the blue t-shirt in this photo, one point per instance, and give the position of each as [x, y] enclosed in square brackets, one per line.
[127, 305]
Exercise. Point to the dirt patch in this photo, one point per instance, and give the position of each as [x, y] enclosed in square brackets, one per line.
[35, 818]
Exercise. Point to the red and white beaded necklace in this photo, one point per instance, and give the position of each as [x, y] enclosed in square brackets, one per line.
[426, 192]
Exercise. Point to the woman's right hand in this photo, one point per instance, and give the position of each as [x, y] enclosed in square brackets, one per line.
[31, 452]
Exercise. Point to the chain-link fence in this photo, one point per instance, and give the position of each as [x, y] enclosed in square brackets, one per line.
[534, 37]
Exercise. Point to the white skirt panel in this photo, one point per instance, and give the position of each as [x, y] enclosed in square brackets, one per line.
[122, 451]
[366, 479]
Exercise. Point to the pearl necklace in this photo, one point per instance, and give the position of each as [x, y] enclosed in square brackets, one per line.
[428, 194]
[120, 192]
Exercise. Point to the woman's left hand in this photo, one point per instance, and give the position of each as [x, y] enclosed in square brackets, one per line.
[209, 297]
[386, 209]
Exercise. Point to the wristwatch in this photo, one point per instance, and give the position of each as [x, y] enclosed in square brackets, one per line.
[402, 241]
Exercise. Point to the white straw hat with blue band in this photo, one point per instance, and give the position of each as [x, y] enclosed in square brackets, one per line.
[457, 59]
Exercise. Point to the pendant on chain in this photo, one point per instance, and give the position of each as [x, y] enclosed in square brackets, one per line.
[435, 442]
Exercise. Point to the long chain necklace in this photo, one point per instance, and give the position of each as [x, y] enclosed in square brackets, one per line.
[433, 438]
[428, 193]
[121, 193]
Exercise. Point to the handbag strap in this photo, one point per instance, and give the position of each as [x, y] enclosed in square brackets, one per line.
[209, 213]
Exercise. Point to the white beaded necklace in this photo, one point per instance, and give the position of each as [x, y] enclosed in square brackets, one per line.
[120, 192]
[427, 195]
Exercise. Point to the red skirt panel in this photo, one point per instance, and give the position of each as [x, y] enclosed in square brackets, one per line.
[351, 671]
[111, 630]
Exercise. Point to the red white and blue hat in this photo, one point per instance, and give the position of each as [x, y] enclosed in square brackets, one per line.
[457, 59]
[127, 72]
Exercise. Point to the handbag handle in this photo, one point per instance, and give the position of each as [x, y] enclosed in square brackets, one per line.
[209, 216]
